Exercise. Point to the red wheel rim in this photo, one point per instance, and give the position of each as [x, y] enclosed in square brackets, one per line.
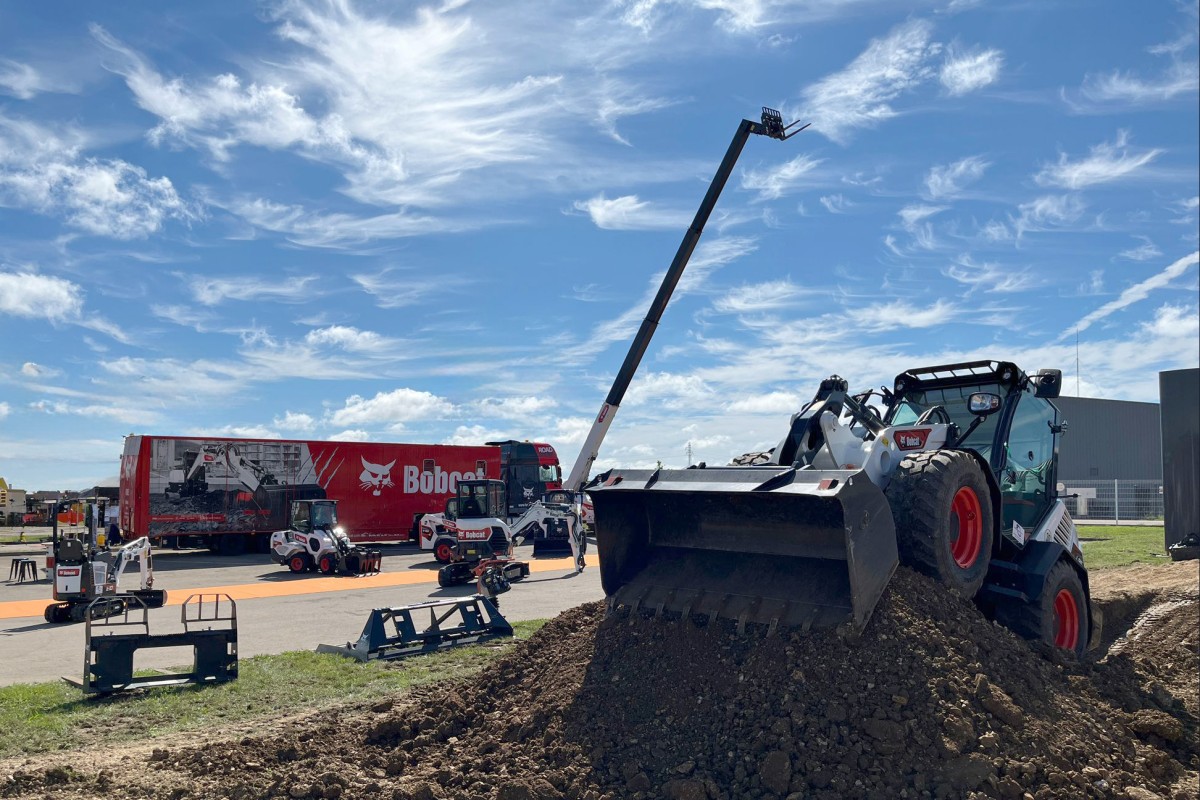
[1066, 620]
[443, 551]
[326, 564]
[297, 564]
[966, 545]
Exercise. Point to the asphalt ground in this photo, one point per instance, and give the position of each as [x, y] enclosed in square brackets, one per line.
[276, 610]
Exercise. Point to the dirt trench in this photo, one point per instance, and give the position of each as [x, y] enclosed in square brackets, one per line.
[933, 700]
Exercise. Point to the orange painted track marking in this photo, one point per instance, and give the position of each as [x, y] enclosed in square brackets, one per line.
[15, 609]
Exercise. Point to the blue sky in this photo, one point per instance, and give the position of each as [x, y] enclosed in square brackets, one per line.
[444, 222]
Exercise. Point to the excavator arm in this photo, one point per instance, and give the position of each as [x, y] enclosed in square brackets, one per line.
[139, 549]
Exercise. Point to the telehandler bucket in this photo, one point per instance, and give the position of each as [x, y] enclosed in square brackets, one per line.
[770, 545]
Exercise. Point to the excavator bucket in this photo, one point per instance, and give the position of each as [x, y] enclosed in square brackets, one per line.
[770, 545]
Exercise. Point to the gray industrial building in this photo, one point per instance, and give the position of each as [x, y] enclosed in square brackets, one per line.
[1109, 440]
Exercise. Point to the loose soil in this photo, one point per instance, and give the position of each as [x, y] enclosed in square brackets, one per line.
[932, 700]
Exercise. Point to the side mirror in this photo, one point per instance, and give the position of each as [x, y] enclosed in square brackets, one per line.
[981, 404]
[1049, 383]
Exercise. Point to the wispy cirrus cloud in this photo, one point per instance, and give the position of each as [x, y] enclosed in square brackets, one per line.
[948, 180]
[629, 213]
[1143, 252]
[1047, 213]
[1134, 294]
[760, 297]
[1105, 163]
[964, 72]
[861, 95]
[775, 182]
[989, 277]
[393, 288]
[24, 82]
[214, 291]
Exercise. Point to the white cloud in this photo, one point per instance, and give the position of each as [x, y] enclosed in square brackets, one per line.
[968, 71]
[775, 182]
[759, 297]
[1143, 252]
[836, 203]
[628, 213]
[104, 197]
[24, 82]
[1135, 293]
[510, 407]
[861, 94]
[350, 435]
[901, 314]
[294, 421]
[769, 403]
[1047, 212]
[990, 278]
[349, 338]
[1180, 80]
[1107, 162]
[397, 406]
[912, 216]
[5, 410]
[32, 370]
[33, 296]
[128, 416]
[949, 180]
[476, 434]
[214, 291]
[668, 390]
[391, 290]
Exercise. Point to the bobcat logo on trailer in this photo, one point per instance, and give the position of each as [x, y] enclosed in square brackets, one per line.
[375, 476]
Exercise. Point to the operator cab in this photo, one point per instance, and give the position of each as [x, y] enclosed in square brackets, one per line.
[1017, 434]
[480, 499]
[310, 515]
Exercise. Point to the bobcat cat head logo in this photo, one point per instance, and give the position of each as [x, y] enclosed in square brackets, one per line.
[375, 476]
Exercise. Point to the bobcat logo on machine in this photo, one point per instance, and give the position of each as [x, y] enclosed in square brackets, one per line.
[911, 440]
[376, 476]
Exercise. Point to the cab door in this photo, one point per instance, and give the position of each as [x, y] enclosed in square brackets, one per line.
[1027, 471]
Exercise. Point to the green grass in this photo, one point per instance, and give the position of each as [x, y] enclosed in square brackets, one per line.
[41, 717]
[1121, 545]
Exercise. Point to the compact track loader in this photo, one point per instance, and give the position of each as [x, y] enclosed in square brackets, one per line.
[955, 476]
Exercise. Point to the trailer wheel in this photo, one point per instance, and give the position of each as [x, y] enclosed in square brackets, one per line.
[298, 563]
[327, 564]
[944, 520]
[1059, 617]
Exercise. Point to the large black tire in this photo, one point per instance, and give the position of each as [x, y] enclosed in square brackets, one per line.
[944, 520]
[1059, 617]
[327, 564]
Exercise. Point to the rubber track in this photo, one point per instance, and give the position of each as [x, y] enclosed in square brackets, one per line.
[913, 494]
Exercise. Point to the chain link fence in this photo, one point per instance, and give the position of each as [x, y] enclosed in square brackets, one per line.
[1114, 501]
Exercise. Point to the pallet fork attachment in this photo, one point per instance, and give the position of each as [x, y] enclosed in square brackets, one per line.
[111, 641]
[478, 621]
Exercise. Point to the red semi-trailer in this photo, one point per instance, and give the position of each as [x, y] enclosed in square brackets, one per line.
[236, 491]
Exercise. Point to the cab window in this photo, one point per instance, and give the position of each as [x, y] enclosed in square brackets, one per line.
[1028, 462]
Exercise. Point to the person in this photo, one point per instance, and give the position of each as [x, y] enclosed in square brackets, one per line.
[114, 534]
[578, 544]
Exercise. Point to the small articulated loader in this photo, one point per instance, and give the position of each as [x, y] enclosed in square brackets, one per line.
[955, 477]
[316, 542]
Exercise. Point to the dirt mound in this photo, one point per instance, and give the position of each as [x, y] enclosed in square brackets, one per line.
[931, 701]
